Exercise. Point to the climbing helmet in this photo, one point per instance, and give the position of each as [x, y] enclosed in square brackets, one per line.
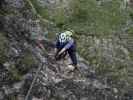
[66, 36]
[62, 37]
[69, 33]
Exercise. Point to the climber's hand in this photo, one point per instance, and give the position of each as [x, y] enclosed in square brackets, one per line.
[62, 50]
[55, 50]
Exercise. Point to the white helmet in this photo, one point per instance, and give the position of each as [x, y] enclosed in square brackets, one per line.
[62, 37]
[69, 33]
[65, 36]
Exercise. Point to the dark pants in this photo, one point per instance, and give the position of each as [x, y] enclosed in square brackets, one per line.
[71, 52]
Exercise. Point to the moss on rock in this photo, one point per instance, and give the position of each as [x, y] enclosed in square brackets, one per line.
[26, 63]
[15, 74]
[130, 31]
[3, 48]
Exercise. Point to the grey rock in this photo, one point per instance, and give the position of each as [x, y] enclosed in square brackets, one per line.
[53, 83]
[15, 3]
[18, 86]
[1, 95]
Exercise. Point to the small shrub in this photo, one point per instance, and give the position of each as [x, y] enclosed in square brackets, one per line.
[59, 18]
[131, 56]
[40, 10]
[130, 31]
[15, 75]
[130, 11]
[26, 63]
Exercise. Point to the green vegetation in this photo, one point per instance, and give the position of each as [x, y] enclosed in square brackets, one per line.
[60, 18]
[15, 74]
[130, 11]
[88, 17]
[3, 57]
[131, 55]
[40, 10]
[130, 31]
[3, 48]
[57, 15]
[26, 63]
[22, 66]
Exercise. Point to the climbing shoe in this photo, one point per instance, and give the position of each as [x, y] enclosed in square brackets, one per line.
[72, 67]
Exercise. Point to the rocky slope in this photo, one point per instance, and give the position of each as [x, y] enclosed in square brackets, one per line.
[107, 75]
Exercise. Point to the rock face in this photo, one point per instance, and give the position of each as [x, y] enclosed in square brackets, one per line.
[54, 3]
[15, 3]
[26, 63]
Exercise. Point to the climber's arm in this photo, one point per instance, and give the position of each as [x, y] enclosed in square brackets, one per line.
[68, 45]
[40, 44]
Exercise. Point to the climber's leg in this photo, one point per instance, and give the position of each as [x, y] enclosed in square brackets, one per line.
[72, 54]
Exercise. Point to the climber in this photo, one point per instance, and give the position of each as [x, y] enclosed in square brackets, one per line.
[66, 44]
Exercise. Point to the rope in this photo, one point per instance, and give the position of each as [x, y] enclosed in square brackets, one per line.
[36, 75]
[39, 57]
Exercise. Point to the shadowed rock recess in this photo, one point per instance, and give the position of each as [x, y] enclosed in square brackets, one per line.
[30, 73]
